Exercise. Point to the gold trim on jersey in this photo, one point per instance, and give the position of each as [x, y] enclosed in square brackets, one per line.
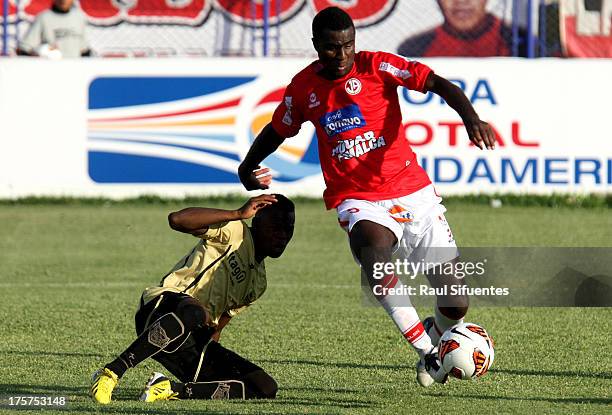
[209, 266]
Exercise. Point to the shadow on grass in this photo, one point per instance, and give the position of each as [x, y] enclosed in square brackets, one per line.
[581, 400]
[319, 401]
[58, 354]
[341, 365]
[59, 390]
[565, 374]
[313, 389]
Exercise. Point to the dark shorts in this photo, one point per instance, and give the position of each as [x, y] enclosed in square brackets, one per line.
[193, 357]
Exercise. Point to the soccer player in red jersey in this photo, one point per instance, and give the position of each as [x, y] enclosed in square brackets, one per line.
[384, 199]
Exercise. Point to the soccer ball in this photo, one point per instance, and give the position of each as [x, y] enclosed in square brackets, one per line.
[466, 351]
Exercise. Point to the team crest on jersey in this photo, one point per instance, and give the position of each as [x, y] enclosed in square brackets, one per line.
[353, 86]
[341, 120]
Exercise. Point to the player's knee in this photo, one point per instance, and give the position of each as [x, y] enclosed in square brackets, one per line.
[261, 384]
[371, 242]
[192, 314]
[454, 313]
[371, 234]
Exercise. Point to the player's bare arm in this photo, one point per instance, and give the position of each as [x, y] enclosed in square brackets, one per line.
[223, 321]
[479, 132]
[251, 175]
[196, 220]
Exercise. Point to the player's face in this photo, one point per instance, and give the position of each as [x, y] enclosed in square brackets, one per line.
[63, 5]
[277, 230]
[463, 15]
[336, 50]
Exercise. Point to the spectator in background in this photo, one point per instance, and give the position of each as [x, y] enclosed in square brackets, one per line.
[57, 33]
[468, 30]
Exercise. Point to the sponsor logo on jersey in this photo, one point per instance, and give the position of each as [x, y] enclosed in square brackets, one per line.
[357, 147]
[395, 71]
[287, 120]
[400, 214]
[237, 273]
[313, 101]
[353, 86]
[341, 120]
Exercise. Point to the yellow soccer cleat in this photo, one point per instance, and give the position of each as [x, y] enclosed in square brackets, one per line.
[103, 382]
[158, 388]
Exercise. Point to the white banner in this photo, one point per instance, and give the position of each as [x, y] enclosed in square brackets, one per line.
[177, 127]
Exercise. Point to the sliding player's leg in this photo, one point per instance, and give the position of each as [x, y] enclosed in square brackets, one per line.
[163, 323]
[216, 373]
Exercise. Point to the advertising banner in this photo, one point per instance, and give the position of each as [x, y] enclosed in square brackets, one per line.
[177, 127]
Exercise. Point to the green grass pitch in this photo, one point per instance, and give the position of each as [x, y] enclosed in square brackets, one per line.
[71, 276]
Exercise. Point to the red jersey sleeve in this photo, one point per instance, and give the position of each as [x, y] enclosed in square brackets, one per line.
[288, 118]
[399, 71]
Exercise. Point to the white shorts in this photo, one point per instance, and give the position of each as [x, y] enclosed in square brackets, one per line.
[416, 220]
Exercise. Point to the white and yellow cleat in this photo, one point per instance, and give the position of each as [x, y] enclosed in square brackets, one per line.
[103, 382]
[158, 388]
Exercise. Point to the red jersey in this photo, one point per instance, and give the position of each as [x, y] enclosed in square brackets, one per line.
[362, 149]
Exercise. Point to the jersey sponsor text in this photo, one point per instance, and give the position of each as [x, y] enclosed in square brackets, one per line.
[357, 147]
[344, 119]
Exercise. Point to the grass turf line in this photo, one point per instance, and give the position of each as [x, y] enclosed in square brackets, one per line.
[71, 277]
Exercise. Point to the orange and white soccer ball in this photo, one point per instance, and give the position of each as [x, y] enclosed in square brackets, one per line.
[466, 351]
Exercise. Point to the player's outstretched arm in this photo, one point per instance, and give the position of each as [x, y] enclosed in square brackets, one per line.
[251, 175]
[196, 220]
[479, 132]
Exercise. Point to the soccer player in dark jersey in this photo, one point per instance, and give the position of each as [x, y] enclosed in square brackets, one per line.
[383, 198]
[180, 320]
[468, 30]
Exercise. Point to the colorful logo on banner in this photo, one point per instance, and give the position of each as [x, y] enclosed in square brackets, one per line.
[184, 130]
[298, 157]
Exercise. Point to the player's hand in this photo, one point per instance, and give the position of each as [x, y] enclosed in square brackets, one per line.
[258, 179]
[251, 207]
[480, 133]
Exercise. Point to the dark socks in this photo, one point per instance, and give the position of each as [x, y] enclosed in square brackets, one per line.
[159, 335]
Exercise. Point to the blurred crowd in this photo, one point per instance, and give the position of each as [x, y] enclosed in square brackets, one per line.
[564, 28]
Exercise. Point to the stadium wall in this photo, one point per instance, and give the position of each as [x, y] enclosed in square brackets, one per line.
[179, 127]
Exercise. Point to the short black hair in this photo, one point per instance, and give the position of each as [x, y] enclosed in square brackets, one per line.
[283, 205]
[331, 18]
